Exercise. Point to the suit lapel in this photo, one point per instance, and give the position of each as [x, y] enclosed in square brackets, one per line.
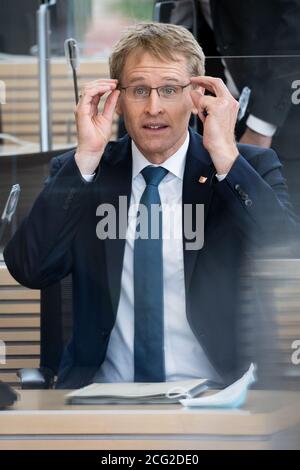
[198, 164]
[115, 180]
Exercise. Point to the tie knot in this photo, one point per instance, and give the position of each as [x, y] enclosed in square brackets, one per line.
[154, 174]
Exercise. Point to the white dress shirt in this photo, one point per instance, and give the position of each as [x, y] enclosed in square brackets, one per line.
[184, 356]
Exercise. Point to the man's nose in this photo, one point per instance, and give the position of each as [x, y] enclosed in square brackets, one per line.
[153, 104]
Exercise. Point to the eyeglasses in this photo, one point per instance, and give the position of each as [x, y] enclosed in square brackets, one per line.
[142, 92]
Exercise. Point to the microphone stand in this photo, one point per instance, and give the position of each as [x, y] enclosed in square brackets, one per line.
[72, 57]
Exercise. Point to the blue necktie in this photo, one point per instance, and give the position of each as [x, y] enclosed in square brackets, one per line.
[148, 285]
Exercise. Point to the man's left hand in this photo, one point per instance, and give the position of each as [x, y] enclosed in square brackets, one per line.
[218, 114]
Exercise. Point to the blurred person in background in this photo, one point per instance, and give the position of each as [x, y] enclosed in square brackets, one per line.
[259, 41]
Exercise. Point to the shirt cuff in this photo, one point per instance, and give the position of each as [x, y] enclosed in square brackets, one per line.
[260, 126]
[88, 178]
[221, 177]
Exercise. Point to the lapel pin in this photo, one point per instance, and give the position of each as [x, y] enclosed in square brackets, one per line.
[202, 179]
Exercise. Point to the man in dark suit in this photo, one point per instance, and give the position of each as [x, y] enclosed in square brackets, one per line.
[163, 306]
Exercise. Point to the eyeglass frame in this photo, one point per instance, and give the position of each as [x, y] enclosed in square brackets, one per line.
[119, 87]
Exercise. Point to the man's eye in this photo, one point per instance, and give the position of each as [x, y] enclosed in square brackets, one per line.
[169, 90]
[141, 91]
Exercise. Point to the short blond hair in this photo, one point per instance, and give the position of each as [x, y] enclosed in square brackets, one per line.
[163, 41]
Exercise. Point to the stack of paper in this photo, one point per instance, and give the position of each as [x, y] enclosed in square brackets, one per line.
[137, 392]
[182, 392]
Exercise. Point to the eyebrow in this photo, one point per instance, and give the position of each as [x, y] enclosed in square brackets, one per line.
[136, 79]
[169, 79]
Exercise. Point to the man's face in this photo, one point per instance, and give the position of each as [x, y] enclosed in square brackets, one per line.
[158, 126]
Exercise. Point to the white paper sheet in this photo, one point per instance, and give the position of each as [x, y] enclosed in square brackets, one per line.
[232, 396]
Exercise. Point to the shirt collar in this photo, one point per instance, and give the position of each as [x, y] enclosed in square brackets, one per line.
[175, 164]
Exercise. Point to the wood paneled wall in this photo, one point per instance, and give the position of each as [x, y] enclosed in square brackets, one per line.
[19, 327]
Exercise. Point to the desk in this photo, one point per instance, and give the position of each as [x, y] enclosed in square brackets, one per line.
[40, 420]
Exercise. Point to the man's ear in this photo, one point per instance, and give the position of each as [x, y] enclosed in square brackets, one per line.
[118, 108]
[200, 90]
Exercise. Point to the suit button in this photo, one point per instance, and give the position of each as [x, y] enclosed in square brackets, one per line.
[245, 196]
[237, 187]
[248, 202]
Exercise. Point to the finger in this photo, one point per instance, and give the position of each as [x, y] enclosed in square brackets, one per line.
[88, 89]
[212, 84]
[98, 84]
[205, 104]
[94, 105]
[88, 104]
[202, 102]
[196, 100]
[99, 81]
[110, 104]
[87, 96]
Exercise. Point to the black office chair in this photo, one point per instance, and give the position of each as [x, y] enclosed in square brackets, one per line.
[56, 329]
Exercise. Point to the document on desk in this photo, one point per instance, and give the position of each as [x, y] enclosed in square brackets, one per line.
[137, 392]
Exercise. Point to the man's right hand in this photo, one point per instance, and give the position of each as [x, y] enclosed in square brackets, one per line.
[94, 128]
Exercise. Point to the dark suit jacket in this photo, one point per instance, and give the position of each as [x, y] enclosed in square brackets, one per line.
[59, 237]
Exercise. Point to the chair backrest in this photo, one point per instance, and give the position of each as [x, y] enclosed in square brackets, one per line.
[56, 322]
[19, 327]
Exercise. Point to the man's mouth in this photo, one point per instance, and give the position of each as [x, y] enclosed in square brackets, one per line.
[155, 127]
